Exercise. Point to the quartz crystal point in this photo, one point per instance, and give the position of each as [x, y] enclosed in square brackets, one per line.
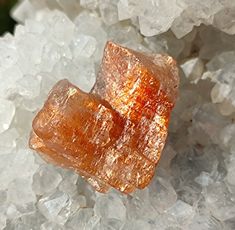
[114, 135]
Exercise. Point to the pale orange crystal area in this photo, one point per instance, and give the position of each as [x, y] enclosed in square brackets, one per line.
[114, 135]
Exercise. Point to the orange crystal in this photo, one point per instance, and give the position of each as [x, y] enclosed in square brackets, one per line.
[113, 136]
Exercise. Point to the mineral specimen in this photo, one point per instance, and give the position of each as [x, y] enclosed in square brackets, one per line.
[114, 135]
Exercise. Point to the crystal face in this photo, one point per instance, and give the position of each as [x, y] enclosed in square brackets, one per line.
[114, 135]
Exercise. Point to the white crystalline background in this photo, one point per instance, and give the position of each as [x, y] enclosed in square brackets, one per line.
[194, 186]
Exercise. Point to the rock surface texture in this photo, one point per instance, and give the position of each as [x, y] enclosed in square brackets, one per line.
[114, 135]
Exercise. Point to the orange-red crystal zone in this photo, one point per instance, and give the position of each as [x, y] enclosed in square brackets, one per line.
[114, 135]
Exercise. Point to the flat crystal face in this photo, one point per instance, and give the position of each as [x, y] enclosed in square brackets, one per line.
[114, 135]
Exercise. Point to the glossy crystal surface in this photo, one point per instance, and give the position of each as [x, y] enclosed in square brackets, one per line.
[114, 135]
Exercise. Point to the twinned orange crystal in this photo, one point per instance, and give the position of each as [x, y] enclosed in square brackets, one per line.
[114, 135]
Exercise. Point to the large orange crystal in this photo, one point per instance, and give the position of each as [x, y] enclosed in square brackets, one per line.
[114, 135]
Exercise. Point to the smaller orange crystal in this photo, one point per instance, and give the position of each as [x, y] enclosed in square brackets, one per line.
[113, 136]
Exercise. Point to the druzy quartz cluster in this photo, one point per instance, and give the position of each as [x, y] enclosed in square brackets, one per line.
[114, 135]
[194, 183]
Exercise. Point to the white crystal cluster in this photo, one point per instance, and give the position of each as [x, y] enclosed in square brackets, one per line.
[194, 186]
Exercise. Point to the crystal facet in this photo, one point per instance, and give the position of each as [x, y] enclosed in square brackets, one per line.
[114, 135]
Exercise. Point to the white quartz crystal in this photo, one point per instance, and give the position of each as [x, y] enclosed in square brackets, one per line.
[7, 112]
[194, 185]
[205, 222]
[182, 211]
[46, 179]
[193, 69]
[220, 201]
[54, 206]
[2, 221]
[8, 141]
[204, 179]
[20, 192]
[50, 226]
[109, 11]
[110, 207]
[81, 219]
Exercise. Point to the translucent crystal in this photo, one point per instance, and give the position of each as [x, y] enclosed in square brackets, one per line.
[31, 90]
[58, 206]
[62, 28]
[220, 201]
[55, 207]
[71, 7]
[220, 92]
[204, 179]
[68, 185]
[83, 46]
[34, 26]
[138, 205]
[51, 226]
[193, 69]
[222, 20]
[11, 164]
[8, 141]
[20, 192]
[137, 225]
[182, 211]
[80, 219]
[7, 84]
[205, 222]
[110, 207]
[163, 195]
[231, 172]
[2, 221]
[28, 55]
[31, 220]
[227, 137]
[220, 70]
[51, 54]
[89, 4]
[124, 116]
[25, 10]
[88, 24]
[82, 75]
[12, 212]
[8, 57]
[124, 10]
[3, 197]
[158, 17]
[108, 11]
[46, 179]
